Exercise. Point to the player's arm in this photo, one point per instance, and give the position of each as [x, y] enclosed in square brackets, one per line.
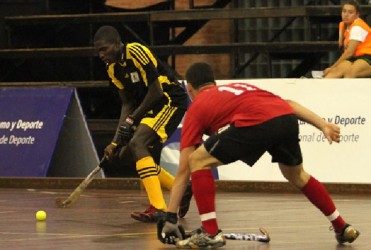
[181, 180]
[168, 229]
[127, 106]
[153, 96]
[129, 121]
[330, 130]
[146, 63]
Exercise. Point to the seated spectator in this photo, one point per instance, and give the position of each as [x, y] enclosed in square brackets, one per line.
[355, 39]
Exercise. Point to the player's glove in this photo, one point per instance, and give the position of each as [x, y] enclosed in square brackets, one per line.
[168, 229]
[126, 130]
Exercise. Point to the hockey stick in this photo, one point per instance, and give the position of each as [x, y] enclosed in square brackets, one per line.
[264, 237]
[80, 188]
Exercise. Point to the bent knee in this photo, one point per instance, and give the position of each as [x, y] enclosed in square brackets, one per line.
[201, 159]
[194, 161]
[351, 74]
[295, 175]
[137, 149]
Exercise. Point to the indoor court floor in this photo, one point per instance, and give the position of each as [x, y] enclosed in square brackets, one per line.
[100, 219]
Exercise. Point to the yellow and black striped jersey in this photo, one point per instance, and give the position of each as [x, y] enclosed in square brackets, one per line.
[139, 68]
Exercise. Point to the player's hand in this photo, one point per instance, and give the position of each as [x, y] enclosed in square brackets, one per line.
[109, 151]
[126, 130]
[331, 132]
[168, 230]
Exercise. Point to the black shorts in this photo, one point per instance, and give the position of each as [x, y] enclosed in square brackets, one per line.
[365, 57]
[279, 137]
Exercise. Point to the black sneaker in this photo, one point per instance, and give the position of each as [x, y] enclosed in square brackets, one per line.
[186, 201]
[151, 214]
[349, 234]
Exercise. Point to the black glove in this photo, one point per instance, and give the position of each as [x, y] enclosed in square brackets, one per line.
[126, 130]
[168, 230]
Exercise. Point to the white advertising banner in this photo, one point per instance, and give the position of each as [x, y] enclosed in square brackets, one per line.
[345, 102]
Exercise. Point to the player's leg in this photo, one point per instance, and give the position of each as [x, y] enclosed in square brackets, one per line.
[166, 179]
[201, 164]
[165, 121]
[287, 153]
[318, 195]
[156, 126]
[147, 170]
[121, 164]
[245, 143]
[203, 186]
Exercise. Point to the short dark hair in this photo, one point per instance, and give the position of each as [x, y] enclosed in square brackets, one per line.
[199, 74]
[354, 3]
[108, 34]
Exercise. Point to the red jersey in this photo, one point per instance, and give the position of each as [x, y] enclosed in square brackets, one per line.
[237, 103]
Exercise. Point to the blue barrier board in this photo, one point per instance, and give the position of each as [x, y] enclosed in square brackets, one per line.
[30, 122]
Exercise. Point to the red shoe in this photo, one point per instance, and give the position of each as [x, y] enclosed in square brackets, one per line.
[151, 214]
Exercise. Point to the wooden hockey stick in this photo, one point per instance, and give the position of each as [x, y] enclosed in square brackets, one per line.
[80, 188]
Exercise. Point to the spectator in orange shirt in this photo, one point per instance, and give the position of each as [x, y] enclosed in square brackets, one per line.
[355, 38]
